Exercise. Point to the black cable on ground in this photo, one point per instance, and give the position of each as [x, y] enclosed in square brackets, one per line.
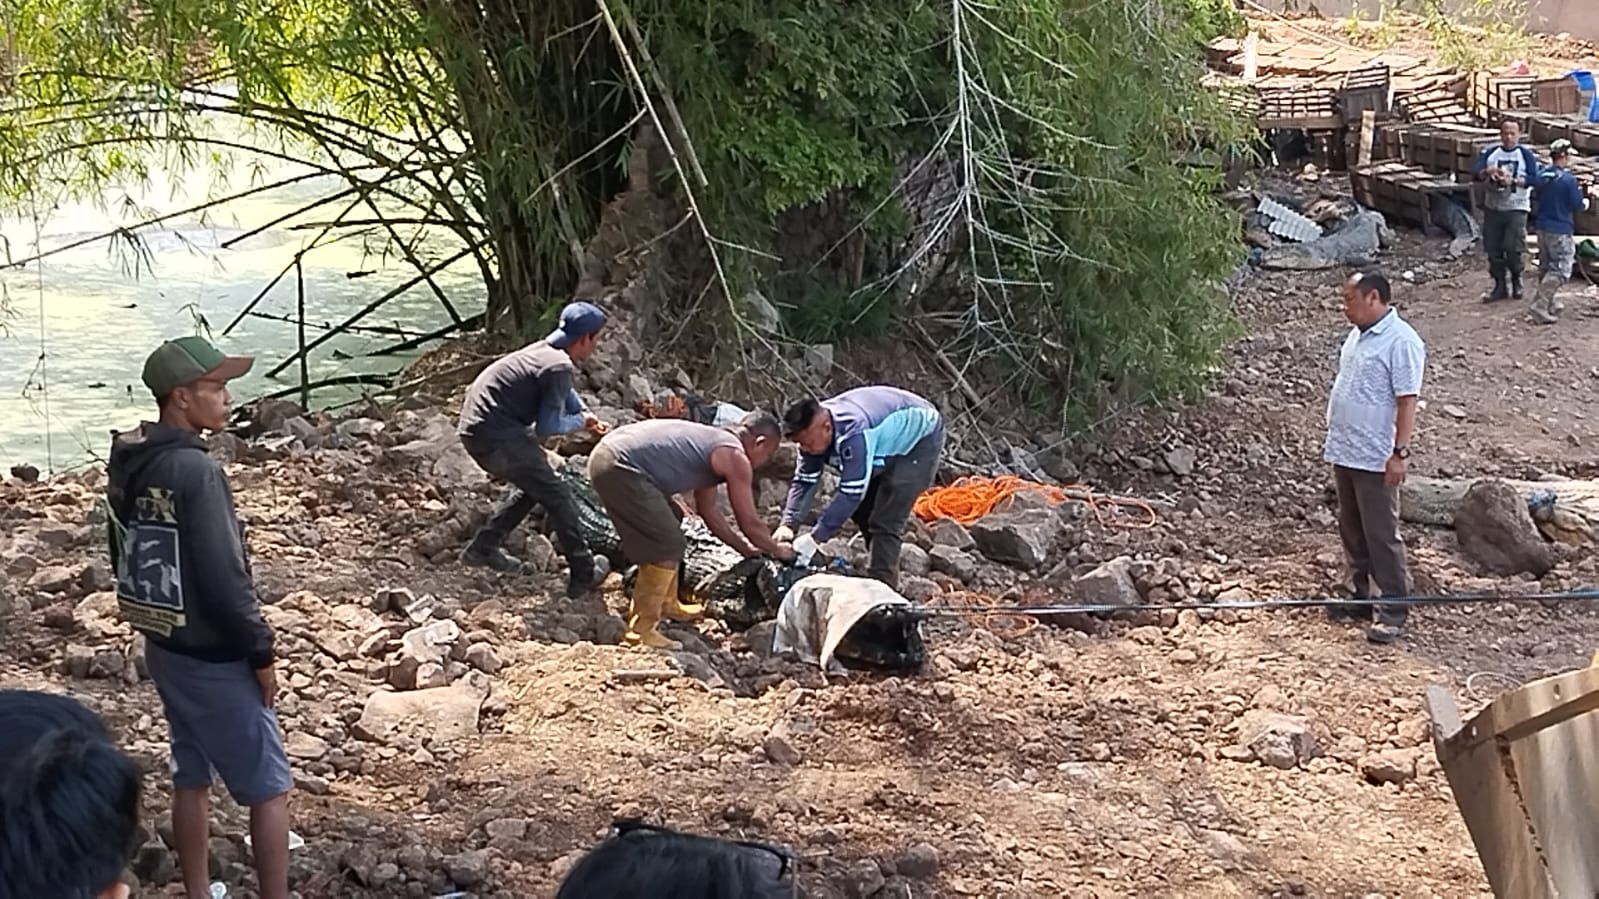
[1309, 602]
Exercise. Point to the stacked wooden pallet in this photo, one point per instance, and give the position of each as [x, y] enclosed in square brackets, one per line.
[1402, 192]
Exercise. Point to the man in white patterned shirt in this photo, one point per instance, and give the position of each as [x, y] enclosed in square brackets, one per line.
[1371, 417]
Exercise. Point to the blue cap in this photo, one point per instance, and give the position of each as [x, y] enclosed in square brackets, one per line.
[578, 320]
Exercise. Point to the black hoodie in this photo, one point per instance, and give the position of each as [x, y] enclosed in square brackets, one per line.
[178, 549]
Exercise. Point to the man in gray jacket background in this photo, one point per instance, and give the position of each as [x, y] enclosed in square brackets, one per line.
[183, 580]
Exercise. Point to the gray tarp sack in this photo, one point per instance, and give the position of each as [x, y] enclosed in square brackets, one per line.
[829, 616]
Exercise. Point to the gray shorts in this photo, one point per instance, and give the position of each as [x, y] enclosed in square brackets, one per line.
[218, 721]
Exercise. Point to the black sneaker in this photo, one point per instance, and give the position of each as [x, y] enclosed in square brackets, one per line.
[584, 573]
[1383, 634]
[490, 557]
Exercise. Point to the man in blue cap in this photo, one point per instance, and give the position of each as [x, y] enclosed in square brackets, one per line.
[516, 404]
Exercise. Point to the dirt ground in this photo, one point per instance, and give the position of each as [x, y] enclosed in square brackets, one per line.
[1051, 763]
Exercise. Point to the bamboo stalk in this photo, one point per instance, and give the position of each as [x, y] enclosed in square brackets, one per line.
[305, 365]
[368, 308]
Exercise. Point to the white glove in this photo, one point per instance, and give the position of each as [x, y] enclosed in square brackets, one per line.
[783, 534]
[804, 549]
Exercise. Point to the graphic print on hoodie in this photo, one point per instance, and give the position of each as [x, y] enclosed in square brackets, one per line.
[178, 551]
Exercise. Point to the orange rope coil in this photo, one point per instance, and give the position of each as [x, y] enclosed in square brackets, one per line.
[971, 498]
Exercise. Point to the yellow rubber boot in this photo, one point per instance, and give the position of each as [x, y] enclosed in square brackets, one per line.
[677, 610]
[650, 592]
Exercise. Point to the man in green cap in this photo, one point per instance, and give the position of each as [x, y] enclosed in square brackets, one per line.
[184, 582]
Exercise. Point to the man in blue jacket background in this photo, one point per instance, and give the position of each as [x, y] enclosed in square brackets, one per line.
[1559, 201]
[887, 444]
[1507, 169]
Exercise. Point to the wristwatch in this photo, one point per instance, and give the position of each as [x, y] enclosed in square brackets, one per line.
[1402, 452]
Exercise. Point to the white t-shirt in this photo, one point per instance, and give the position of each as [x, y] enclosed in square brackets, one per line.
[1376, 367]
[1514, 163]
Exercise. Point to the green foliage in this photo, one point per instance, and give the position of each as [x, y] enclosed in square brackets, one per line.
[1129, 244]
[826, 313]
[801, 98]
[1075, 251]
[1485, 34]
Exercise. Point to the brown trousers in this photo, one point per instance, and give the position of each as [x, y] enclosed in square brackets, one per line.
[1368, 522]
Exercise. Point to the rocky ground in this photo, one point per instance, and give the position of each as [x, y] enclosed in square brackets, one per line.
[453, 730]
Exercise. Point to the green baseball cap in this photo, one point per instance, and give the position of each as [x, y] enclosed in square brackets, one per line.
[188, 359]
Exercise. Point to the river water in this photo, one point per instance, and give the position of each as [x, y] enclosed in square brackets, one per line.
[95, 320]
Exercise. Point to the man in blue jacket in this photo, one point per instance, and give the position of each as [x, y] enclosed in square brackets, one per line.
[183, 580]
[1507, 169]
[1559, 201]
[887, 444]
[516, 404]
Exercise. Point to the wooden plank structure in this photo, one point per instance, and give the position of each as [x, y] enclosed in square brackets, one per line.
[1432, 105]
[1401, 191]
[1525, 775]
[1368, 89]
[1488, 94]
[1299, 107]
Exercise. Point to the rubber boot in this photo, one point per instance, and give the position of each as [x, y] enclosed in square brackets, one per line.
[677, 610]
[649, 595]
[1515, 284]
[1497, 269]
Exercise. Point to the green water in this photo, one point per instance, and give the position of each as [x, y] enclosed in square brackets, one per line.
[96, 321]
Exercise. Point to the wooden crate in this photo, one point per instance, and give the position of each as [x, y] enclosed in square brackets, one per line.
[1489, 95]
[1432, 105]
[1363, 89]
[1402, 192]
[1556, 95]
[1309, 109]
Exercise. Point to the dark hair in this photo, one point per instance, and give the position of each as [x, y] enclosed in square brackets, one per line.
[69, 800]
[651, 863]
[799, 416]
[761, 424]
[1366, 282]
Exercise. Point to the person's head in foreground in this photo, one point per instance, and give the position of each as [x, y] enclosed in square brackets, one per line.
[1366, 298]
[189, 377]
[579, 330]
[1509, 134]
[69, 801]
[810, 425]
[759, 434]
[1560, 152]
[638, 861]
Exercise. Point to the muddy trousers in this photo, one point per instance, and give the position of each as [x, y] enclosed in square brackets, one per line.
[1557, 254]
[517, 457]
[1368, 522]
[886, 508]
[1504, 237]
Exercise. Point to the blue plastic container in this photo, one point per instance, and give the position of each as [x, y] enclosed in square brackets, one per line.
[1585, 87]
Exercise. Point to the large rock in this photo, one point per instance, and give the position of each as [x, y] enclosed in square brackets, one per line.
[53, 579]
[946, 532]
[419, 664]
[1277, 739]
[913, 560]
[442, 714]
[1393, 766]
[953, 562]
[1496, 531]
[1019, 539]
[1111, 584]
